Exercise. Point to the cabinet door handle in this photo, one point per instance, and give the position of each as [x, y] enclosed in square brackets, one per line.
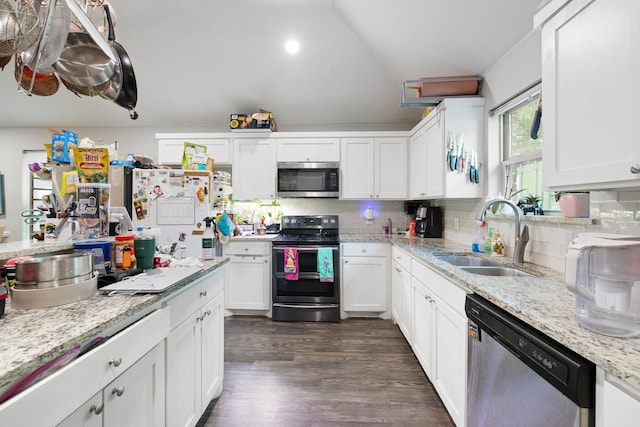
[203, 294]
[199, 319]
[118, 391]
[346, 262]
[364, 251]
[97, 409]
[265, 261]
[207, 313]
[115, 362]
[635, 169]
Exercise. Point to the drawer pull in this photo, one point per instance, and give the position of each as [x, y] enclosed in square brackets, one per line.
[116, 362]
[97, 409]
[635, 169]
[118, 391]
[203, 293]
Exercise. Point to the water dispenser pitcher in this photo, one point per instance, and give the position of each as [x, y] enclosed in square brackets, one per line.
[603, 270]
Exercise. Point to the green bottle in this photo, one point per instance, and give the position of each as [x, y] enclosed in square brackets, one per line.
[488, 241]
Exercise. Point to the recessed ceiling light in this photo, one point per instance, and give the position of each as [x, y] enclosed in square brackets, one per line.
[292, 46]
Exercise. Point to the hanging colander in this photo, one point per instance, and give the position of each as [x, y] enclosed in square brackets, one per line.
[19, 26]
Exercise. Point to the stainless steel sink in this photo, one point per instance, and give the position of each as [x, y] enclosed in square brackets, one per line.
[495, 271]
[468, 260]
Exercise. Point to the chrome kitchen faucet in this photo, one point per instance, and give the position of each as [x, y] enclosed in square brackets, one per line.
[521, 239]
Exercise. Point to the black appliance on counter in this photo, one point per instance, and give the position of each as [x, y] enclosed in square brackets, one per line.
[306, 298]
[429, 222]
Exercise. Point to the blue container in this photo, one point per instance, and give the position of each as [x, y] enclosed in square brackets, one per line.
[101, 250]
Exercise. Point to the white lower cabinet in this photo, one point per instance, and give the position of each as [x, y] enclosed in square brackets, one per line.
[135, 398]
[88, 415]
[195, 349]
[617, 403]
[440, 337]
[248, 276]
[163, 369]
[401, 292]
[423, 319]
[364, 278]
[131, 362]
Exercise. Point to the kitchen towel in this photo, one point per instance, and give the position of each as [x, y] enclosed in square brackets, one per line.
[325, 264]
[291, 263]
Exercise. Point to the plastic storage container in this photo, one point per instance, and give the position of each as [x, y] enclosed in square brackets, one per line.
[123, 249]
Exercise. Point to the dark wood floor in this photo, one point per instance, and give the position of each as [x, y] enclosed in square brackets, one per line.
[359, 372]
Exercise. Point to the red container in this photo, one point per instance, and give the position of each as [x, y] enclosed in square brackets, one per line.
[448, 88]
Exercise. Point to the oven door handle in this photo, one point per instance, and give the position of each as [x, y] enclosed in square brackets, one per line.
[306, 306]
[307, 248]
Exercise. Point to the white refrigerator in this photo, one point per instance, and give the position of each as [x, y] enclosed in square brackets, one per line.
[173, 203]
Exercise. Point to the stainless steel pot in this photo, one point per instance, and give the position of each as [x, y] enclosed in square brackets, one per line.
[54, 270]
[54, 283]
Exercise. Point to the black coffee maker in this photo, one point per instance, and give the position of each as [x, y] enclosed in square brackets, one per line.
[429, 222]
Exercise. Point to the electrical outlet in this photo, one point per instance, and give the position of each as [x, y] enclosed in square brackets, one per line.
[456, 224]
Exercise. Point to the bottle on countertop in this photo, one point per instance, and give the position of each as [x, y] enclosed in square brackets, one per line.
[497, 244]
[487, 241]
[207, 239]
[478, 243]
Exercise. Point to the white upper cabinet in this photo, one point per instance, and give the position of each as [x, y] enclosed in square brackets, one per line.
[429, 175]
[590, 88]
[254, 169]
[308, 149]
[373, 168]
[171, 146]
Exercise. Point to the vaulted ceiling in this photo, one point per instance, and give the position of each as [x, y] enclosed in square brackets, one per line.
[197, 61]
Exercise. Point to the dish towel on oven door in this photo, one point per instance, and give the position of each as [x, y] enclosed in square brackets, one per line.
[291, 263]
[325, 264]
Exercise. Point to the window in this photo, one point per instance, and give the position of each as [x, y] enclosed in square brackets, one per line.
[522, 154]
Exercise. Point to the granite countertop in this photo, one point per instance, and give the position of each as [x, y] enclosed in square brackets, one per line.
[32, 247]
[31, 338]
[542, 301]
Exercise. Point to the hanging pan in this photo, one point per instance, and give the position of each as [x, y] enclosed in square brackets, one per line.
[41, 83]
[4, 60]
[53, 35]
[121, 88]
[86, 59]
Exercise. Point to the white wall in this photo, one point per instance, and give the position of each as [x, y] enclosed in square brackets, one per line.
[614, 212]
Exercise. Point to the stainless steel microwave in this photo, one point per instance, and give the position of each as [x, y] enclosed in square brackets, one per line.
[308, 179]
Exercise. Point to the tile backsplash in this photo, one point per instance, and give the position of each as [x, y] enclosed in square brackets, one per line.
[351, 212]
[611, 212]
[549, 239]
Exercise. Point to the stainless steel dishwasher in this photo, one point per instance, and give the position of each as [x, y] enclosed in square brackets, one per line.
[518, 377]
